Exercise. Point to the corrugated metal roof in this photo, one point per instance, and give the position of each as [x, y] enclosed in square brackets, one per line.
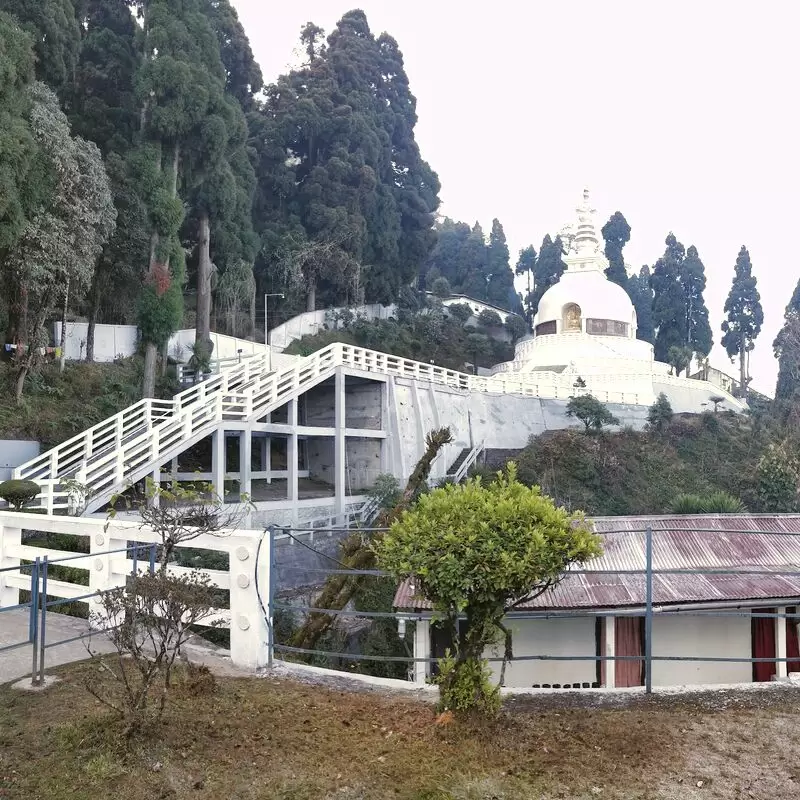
[741, 542]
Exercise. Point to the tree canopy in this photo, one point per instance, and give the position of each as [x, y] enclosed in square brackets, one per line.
[616, 233]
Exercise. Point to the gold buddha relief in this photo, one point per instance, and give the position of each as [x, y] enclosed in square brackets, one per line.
[572, 317]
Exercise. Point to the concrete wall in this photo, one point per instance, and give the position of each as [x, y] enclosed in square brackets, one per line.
[551, 637]
[14, 452]
[701, 636]
[312, 322]
[362, 461]
[499, 420]
[362, 405]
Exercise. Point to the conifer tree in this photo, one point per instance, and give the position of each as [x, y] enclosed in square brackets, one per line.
[787, 350]
[549, 268]
[745, 317]
[699, 338]
[669, 300]
[641, 294]
[500, 289]
[616, 233]
[526, 265]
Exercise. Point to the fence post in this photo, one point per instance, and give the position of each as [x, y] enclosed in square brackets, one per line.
[271, 599]
[43, 623]
[648, 618]
[35, 615]
[10, 539]
[249, 629]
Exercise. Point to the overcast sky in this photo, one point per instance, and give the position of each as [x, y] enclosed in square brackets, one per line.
[683, 115]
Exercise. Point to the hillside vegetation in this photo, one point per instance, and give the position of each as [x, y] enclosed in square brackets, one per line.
[56, 406]
[632, 472]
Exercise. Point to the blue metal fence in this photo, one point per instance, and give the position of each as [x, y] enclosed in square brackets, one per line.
[747, 607]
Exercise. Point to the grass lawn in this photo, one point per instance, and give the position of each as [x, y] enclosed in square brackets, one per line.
[265, 738]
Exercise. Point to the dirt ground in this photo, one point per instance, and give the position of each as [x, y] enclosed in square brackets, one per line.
[277, 737]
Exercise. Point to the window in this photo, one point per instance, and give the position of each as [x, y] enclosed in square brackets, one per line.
[606, 327]
[545, 328]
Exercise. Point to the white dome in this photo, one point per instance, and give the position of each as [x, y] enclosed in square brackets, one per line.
[596, 297]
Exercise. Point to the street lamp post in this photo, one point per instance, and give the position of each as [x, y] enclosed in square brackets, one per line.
[266, 329]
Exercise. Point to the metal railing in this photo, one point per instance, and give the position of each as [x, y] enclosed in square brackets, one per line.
[654, 572]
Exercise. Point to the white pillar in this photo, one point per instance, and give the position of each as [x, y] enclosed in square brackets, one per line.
[156, 478]
[246, 463]
[218, 463]
[339, 448]
[249, 633]
[174, 470]
[609, 651]
[781, 667]
[422, 649]
[267, 460]
[293, 490]
[101, 575]
[9, 538]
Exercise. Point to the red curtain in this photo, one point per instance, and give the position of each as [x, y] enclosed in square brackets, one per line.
[628, 641]
[763, 645]
[792, 645]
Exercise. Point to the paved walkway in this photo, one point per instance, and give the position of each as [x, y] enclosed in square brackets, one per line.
[16, 664]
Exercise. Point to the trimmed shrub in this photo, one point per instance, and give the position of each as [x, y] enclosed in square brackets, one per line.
[17, 492]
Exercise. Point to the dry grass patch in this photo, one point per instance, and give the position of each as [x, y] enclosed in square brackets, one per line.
[250, 739]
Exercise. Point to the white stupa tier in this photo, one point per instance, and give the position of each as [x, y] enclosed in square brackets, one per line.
[584, 332]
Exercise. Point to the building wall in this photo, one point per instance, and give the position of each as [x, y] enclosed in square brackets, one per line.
[14, 452]
[551, 637]
[362, 405]
[362, 461]
[701, 636]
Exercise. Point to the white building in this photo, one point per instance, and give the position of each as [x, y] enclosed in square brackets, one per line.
[590, 629]
[585, 327]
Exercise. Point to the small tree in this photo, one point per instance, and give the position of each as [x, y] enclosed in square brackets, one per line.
[441, 288]
[659, 415]
[716, 400]
[460, 311]
[479, 551]
[480, 347]
[18, 492]
[490, 319]
[777, 478]
[679, 358]
[516, 326]
[591, 412]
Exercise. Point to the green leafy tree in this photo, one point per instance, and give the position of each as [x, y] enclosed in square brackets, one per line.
[699, 338]
[591, 412]
[516, 326]
[777, 479]
[669, 301]
[19, 492]
[55, 30]
[500, 289]
[659, 415]
[479, 347]
[505, 543]
[787, 350]
[679, 358]
[441, 288]
[58, 250]
[548, 269]
[489, 318]
[526, 265]
[616, 233]
[745, 316]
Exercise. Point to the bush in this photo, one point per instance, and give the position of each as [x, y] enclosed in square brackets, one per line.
[18, 492]
[710, 503]
[441, 288]
[516, 326]
[460, 312]
[489, 318]
[659, 414]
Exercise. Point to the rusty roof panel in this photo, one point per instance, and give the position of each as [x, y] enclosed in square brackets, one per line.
[741, 542]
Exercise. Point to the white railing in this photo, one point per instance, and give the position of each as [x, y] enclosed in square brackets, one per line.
[133, 443]
[107, 568]
[467, 463]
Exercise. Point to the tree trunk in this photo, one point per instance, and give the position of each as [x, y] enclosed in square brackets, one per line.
[93, 312]
[253, 316]
[150, 361]
[311, 296]
[21, 375]
[742, 370]
[63, 338]
[204, 267]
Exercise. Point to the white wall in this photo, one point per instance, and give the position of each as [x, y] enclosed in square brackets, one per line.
[552, 637]
[685, 635]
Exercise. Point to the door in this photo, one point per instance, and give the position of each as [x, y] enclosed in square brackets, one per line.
[792, 644]
[629, 641]
[763, 634]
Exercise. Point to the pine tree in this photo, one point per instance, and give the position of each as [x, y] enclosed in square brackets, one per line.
[699, 338]
[500, 290]
[787, 350]
[475, 260]
[641, 294]
[745, 317]
[669, 301]
[526, 265]
[617, 234]
[549, 268]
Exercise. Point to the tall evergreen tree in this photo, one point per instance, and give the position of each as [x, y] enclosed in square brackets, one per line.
[526, 265]
[669, 301]
[475, 264]
[56, 33]
[549, 268]
[787, 350]
[500, 289]
[641, 294]
[616, 233]
[745, 316]
[699, 338]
